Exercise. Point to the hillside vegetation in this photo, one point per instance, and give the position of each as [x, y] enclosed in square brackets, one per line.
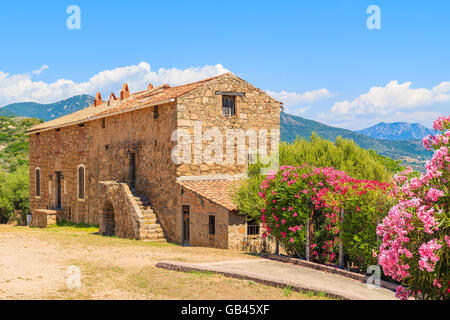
[14, 146]
[47, 111]
[411, 152]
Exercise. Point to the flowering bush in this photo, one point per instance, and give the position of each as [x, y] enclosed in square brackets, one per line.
[298, 198]
[415, 247]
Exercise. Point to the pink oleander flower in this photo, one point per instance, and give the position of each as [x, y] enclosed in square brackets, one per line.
[402, 293]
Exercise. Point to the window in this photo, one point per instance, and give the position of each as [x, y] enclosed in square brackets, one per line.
[212, 225]
[252, 228]
[81, 181]
[155, 112]
[38, 182]
[104, 123]
[228, 106]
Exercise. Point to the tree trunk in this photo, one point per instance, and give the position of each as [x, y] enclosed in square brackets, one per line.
[341, 245]
[310, 236]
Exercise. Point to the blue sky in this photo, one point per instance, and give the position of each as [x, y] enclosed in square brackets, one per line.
[319, 57]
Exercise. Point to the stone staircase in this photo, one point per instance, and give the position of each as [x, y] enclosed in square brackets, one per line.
[149, 227]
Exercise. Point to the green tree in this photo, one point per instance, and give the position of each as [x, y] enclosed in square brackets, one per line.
[343, 154]
[14, 194]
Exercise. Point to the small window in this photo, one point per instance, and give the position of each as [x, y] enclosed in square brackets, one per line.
[103, 123]
[155, 112]
[228, 106]
[38, 182]
[81, 180]
[212, 225]
[252, 228]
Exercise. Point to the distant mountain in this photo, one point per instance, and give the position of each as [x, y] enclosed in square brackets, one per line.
[410, 151]
[397, 131]
[47, 111]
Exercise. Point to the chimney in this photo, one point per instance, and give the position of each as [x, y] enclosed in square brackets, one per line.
[112, 96]
[125, 92]
[98, 99]
[150, 87]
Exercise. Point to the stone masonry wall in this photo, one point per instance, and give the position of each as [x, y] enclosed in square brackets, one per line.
[44, 155]
[109, 142]
[200, 210]
[255, 110]
[149, 138]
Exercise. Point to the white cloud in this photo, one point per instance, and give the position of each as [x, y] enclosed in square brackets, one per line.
[392, 97]
[294, 99]
[299, 111]
[41, 69]
[23, 87]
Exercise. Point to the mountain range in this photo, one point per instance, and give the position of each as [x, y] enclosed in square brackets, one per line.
[410, 151]
[399, 140]
[47, 112]
[397, 131]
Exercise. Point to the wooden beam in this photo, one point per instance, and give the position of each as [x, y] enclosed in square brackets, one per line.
[230, 93]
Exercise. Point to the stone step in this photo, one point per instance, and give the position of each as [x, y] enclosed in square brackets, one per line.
[142, 202]
[148, 221]
[149, 215]
[153, 238]
[153, 226]
[146, 209]
[151, 233]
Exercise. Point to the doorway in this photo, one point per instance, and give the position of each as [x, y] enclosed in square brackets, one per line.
[186, 225]
[58, 190]
[132, 177]
[108, 220]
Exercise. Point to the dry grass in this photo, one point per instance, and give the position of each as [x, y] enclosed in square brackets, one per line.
[35, 261]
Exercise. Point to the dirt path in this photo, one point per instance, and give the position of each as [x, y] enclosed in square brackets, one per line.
[33, 265]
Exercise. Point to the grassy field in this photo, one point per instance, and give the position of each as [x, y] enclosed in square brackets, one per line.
[34, 262]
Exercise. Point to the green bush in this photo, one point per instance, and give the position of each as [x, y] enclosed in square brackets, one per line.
[14, 193]
[344, 155]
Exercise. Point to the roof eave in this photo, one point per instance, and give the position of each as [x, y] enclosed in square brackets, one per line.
[68, 124]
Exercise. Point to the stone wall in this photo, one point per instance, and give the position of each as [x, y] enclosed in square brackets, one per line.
[200, 210]
[108, 143]
[44, 155]
[150, 139]
[119, 209]
[44, 218]
[254, 110]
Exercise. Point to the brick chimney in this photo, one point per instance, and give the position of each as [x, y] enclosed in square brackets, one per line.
[125, 92]
[98, 99]
[150, 87]
[112, 96]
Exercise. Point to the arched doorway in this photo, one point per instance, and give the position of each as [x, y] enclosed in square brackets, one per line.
[108, 219]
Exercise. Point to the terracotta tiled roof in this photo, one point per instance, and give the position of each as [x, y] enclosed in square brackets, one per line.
[144, 98]
[217, 191]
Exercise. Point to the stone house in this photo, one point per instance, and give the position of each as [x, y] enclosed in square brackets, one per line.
[114, 163]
